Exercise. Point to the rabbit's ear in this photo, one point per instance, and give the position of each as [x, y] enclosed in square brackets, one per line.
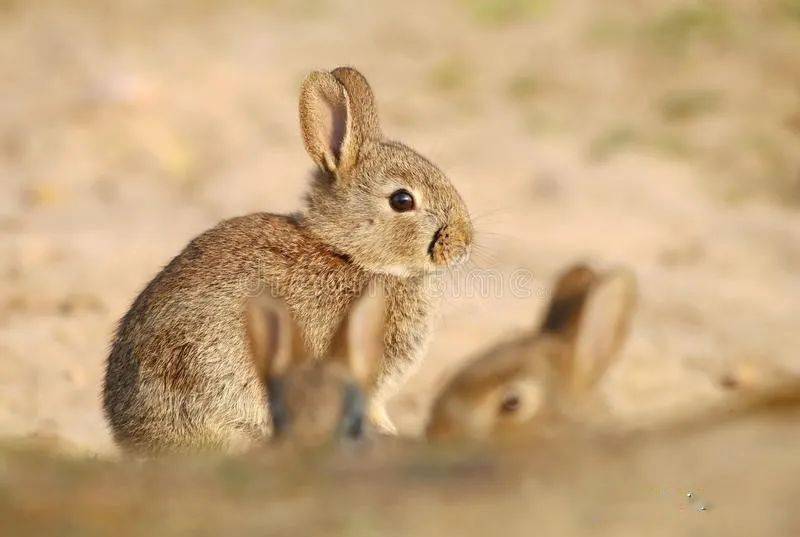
[566, 304]
[602, 327]
[363, 110]
[337, 114]
[274, 339]
[359, 341]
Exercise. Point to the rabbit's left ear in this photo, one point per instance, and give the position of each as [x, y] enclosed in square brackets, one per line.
[566, 305]
[337, 115]
[273, 337]
[359, 341]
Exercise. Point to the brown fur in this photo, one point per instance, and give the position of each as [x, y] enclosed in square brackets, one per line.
[546, 373]
[551, 372]
[313, 402]
[179, 376]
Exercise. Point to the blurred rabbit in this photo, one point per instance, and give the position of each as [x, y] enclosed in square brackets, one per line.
[179, 375]
[545, 375]
[544, 380]
[749, 392]
[314, 401]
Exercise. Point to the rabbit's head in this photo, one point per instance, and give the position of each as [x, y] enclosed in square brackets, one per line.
[374, 200]
[542, 375]
[313, 401]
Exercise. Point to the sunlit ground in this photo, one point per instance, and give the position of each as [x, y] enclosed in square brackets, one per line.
[662, 136]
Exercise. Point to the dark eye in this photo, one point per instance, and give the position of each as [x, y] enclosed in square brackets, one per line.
[510, 404]
[401, 201]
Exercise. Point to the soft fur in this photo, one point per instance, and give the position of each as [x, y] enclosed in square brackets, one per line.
[546, 373]
[550, 374]
[179, 375]
[314, 402]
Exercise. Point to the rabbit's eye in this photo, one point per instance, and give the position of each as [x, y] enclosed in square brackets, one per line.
[510, 404]
[401, 200]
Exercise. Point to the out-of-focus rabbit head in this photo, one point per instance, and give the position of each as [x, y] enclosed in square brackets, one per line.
[546, 373]
[315, 400]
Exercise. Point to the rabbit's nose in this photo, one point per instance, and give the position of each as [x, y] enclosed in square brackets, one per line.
[436, 236]
[462, 257]
[450, 245]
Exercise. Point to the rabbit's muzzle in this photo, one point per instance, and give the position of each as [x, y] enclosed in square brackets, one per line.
[450, 245]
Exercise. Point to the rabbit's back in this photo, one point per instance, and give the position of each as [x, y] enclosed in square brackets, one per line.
[179, 374]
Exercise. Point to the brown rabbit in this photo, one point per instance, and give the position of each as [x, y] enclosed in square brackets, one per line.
[544, 374]
[314, 401]
[545, 378]
[179, 375]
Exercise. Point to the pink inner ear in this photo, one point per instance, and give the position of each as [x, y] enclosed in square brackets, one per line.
[273, 326]
[335, 125]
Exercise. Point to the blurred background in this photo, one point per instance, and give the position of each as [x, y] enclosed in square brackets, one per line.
[663, 136]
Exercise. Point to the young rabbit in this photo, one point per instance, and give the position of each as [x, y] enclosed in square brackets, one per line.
[545, 374]
[179, 374]
[313, 401]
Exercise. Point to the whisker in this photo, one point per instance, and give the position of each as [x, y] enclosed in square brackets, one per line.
[484, 262]
[505, 210]
[484, 253]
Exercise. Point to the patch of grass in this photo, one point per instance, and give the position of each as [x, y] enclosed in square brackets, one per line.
[360, 523]
[8, 5]
[497, 12]
[305, 9]
[780, 171]
[791, 8]
[524, 87]
[605, 31]
[678, 27]
[688, 105]
[449, 75]
[541, 120]
[760, 164]
[671, 144]
[612, 141]
[792, 122]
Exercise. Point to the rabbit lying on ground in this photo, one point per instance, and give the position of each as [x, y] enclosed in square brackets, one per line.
[543, 381]
[540, 383]
[544, 374]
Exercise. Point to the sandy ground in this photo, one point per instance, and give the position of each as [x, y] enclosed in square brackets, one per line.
[664, 139]
[662, 486]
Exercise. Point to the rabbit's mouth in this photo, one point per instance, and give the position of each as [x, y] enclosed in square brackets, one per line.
[448, 247]
[435, 239]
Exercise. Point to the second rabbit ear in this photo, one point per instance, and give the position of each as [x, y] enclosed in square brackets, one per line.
[274, 339]
[337, 115]
[566, 305]
[602, 328]
[359, 342]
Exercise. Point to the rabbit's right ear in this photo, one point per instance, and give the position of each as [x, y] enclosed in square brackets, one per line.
[359, 342]
[603, 327]
[272, 335]
[337, 115]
